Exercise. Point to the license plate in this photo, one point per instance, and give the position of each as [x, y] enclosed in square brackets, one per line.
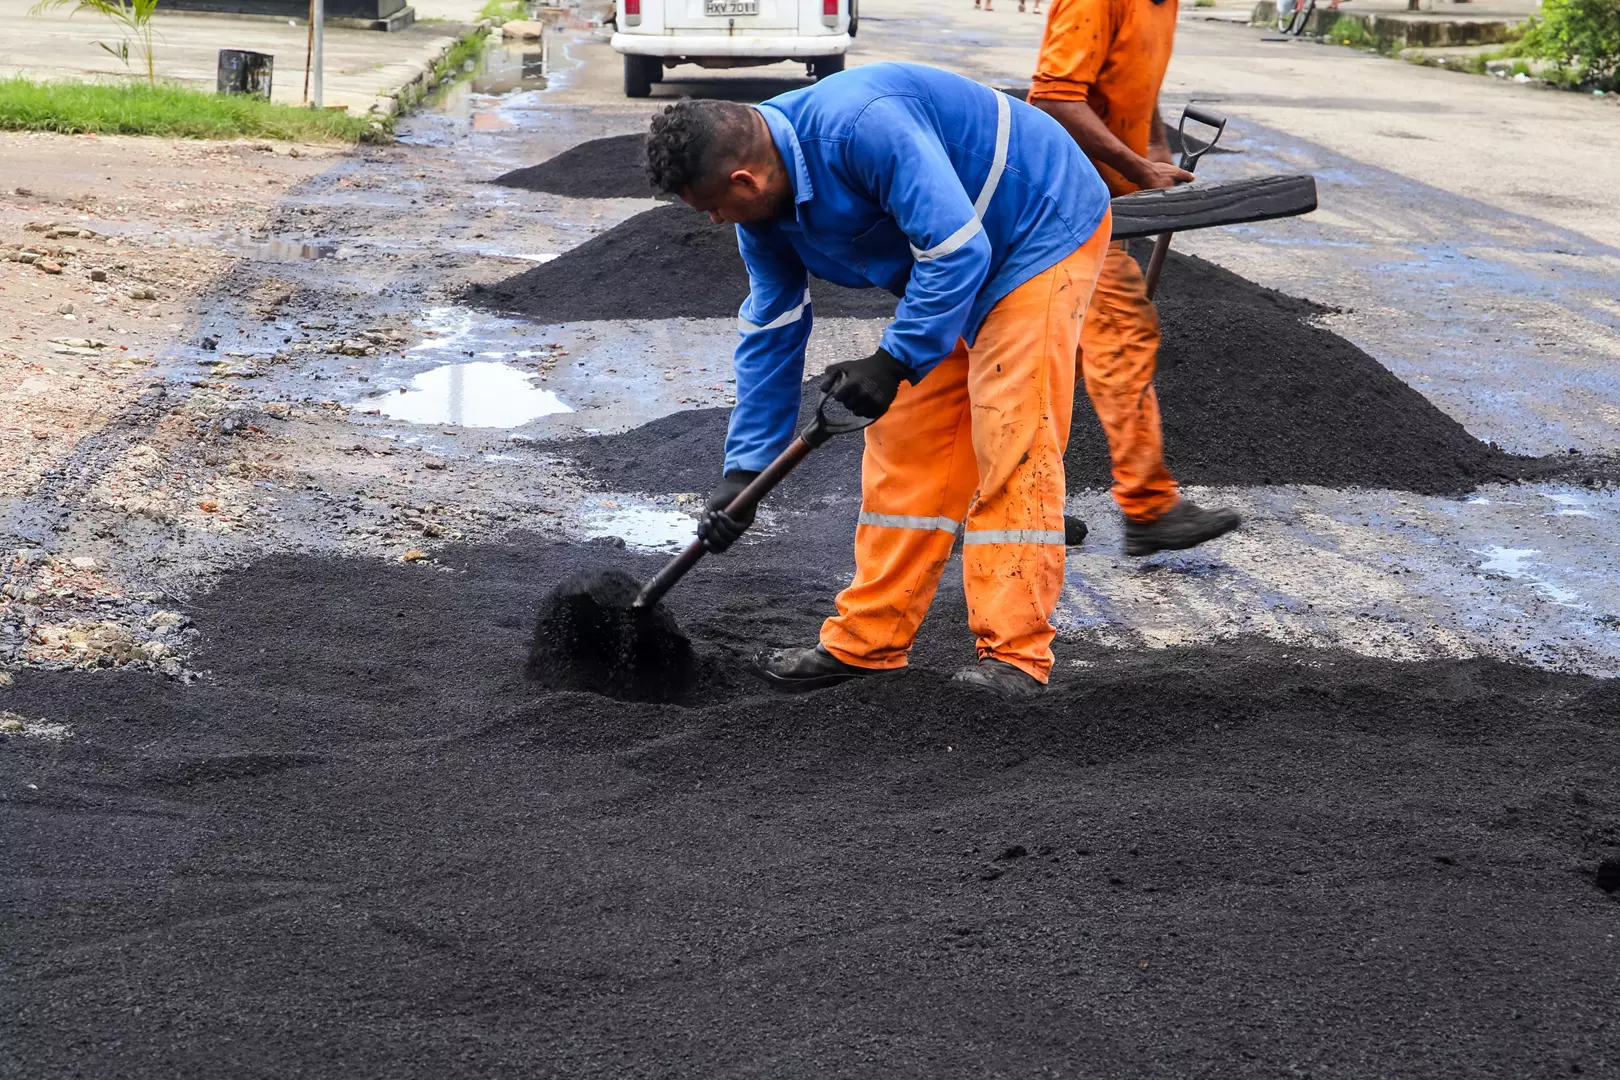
[731, 7]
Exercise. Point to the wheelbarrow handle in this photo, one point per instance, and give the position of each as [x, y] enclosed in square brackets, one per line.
[815, 433]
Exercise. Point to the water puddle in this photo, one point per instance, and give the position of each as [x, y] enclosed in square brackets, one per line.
[503, 69]
[1509, 562]
[269, 249]
[535, 257]
[480, 393]
[640, 526]
[1513, 563]
[1569, 505]
[511, 66]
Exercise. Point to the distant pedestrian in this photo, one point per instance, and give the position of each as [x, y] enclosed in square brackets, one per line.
[987, 6]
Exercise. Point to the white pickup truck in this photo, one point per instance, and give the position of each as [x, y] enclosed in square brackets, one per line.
[658, 34]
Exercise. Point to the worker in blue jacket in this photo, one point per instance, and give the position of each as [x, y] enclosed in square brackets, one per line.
[982, 215]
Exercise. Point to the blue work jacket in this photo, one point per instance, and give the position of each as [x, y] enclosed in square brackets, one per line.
[947, 193]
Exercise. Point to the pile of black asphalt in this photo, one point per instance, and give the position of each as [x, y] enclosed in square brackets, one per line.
[666, 263]
[1252, 391]
[610, 168]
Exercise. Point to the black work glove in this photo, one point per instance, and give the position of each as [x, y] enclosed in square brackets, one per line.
[866, 386]
[717, 529]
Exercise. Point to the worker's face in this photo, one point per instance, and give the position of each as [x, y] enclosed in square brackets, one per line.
[749, 196]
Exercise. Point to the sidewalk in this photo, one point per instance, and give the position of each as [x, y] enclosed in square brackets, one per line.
[365, 69]
[1435, 23]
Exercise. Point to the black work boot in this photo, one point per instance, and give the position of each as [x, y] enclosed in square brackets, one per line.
[807, 669]
[1002, 679]
[1184, 525]
[1074, 531]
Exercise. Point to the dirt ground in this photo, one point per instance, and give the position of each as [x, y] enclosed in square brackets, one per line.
[1331, 798]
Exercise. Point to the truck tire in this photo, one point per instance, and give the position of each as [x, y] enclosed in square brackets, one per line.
[1209, 204]
[639, 72]
[823, 66]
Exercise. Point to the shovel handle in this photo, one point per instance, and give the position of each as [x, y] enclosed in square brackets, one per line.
[818, 431]
[1189, 157]
[1189, 161]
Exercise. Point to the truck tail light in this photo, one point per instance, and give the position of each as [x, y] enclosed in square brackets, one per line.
[829, 12]
[632, 12]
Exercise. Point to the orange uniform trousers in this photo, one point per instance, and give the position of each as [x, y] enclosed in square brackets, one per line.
[979, 441]
[1112, 55]
[1119, 349]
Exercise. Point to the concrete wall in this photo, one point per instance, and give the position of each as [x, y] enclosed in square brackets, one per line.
[1400, 31]
[292, 9]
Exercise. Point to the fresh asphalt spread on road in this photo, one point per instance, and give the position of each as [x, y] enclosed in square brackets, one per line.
[366, 845]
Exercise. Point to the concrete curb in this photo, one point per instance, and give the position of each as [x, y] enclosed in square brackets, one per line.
[427, 77]
[1402, 31]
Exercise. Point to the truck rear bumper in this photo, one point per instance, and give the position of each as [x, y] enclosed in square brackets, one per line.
[785, 47]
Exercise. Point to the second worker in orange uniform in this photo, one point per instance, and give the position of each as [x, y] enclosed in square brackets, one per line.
[1100, 68]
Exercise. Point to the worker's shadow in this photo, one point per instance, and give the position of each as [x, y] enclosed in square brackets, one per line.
[699, 83]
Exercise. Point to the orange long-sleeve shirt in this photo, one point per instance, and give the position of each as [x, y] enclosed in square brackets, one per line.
[1111, 54]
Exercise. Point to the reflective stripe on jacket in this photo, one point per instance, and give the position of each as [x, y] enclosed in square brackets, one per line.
[946, 193]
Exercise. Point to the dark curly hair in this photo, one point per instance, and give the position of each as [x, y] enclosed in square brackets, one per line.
[694, 141]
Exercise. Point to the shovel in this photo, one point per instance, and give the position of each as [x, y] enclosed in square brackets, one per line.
[597, 632]
[1189, 161]
[815, 433]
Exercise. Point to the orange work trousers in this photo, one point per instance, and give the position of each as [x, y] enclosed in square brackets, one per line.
[980, 438]
[1119, 348]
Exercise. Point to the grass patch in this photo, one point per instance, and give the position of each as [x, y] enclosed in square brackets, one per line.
[469, 48]
[1581, 38]
[109, 108]
[455, 65]
[504, 10]
[1348, 31]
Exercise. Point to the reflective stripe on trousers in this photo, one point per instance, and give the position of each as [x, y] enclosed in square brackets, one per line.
[904, 521]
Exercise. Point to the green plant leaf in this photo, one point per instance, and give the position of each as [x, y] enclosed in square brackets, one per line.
[122, 51]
